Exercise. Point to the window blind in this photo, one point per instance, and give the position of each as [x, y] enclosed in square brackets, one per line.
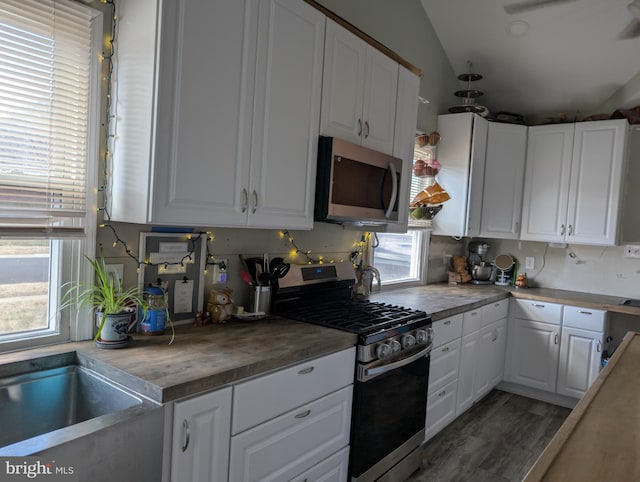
[45, 72]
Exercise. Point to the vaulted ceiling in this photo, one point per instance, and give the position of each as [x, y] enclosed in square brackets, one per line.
[563, 56]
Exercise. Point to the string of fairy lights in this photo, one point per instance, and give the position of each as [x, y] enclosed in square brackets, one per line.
[194, 238]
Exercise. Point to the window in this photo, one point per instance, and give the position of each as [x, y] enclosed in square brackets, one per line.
[401, 257]
[49, 121]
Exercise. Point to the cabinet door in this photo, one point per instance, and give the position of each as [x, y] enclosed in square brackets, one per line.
[201, 434]
[406, 116]
[462, 146]
[495, 347]
[286, 114]
[533, 354]
[580, 356]
[379, 103]
[204, 112]
[596, 180]
[503, 178]
[546, 182]
[470, 354]
[343, 83]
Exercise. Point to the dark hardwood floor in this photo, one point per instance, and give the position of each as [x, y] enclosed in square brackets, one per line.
[497, 440]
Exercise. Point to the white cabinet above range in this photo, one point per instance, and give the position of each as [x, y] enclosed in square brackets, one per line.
[359, 91]
[218, 124]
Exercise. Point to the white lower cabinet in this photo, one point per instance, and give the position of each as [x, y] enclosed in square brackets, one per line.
[201, 434]
[466, 362]
[554, 348]
[291, 424]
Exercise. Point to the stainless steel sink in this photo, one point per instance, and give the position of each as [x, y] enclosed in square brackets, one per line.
[43, 401]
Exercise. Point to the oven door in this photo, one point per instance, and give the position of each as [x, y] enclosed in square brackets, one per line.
[389, 410]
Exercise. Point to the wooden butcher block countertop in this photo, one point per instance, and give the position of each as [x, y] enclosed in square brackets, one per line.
[200, 358]
[600, 440]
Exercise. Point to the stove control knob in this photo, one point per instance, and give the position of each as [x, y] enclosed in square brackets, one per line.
[395, 346]
[421, 337]
[408, 341]
[383, 350]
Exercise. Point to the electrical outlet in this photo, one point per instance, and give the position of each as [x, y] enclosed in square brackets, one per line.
[529, 262]
[220, 269]
[632, 251]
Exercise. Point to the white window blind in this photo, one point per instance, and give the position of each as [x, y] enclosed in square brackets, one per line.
[45, 74]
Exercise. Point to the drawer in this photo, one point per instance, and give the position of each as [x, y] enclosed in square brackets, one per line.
[584, 318]
[268, 396]
[472, 321]
[446, 330]
[444, 365]
[441, 409]
[331, 469]
[495, 311]
[537, 311]
[290, 444]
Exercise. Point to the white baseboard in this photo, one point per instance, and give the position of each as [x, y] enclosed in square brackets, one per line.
[537, 394]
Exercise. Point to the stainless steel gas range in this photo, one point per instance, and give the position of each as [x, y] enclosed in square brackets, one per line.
[391, 372]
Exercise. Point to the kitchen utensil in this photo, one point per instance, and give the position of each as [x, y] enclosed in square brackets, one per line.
[279, 271]
[246, 277]
[274, 263]
[260, 300]
[264, 278]
[259, 274]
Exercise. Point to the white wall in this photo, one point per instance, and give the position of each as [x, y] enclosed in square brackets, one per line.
[591, 269]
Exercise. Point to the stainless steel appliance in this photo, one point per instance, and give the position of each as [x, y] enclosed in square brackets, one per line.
[355, 184]
[391, 372]
[482, 271]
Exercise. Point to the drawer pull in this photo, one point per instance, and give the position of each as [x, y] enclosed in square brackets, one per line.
[555, 338]
[585, 312]
[598, 346]
[304, 414]
[473, 313]
[445, 349]
[537, 305]
[442, 393]
[448, 322]
[304, 371]
[185, 426]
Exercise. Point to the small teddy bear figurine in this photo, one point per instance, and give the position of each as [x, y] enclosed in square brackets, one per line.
[220, 305]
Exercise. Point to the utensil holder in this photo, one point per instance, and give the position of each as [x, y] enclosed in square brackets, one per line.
[260, 299]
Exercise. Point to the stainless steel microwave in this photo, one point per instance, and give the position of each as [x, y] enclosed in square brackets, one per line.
[355, 184]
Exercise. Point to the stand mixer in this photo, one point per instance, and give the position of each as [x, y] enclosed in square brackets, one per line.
[482, 272]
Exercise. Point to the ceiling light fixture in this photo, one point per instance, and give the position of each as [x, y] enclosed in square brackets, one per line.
[517, 28]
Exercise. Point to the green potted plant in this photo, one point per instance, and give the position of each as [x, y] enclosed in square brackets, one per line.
[115, 308]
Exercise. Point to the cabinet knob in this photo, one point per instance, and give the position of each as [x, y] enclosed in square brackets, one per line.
[570, 230]
[442, 393]
[555, 338]
[185, 426]
[562, 230]
[445, 349]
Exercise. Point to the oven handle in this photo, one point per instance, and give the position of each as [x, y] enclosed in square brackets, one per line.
[369, 373]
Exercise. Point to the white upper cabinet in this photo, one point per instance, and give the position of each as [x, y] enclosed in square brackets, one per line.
[573, 182]
[219, 106]
[359, 91]
[503, 178]
[406, 116]
[461, 152]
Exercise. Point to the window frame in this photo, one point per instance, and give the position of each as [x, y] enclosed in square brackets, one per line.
[67, 256]
[422, 250]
